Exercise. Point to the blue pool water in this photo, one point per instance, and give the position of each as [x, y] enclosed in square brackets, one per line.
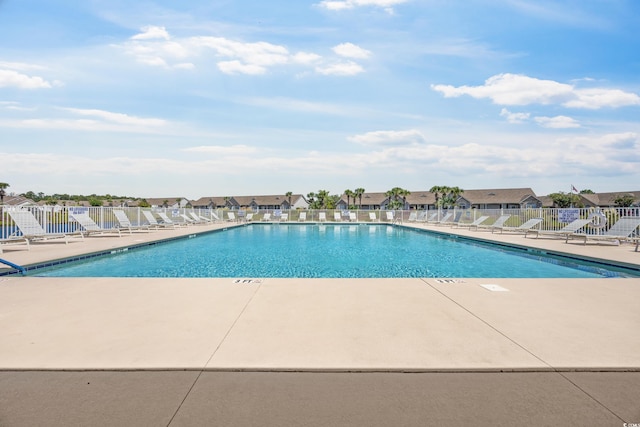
[333, 251]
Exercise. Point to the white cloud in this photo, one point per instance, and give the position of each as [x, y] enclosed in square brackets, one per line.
[223, 150]
[557, 122]
[387, 5]
[515, 118]
[237, 67]
[117, 117]
[516, 89]
[389, 138]
[350, 50]
[341, 69]
[152, 32]
[11, 78]
[598, 98]
[155, 47]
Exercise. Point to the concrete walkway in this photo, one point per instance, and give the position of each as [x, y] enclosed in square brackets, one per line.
[104, 351]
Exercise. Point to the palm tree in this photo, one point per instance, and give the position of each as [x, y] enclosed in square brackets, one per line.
[288, 195]
[394, 197]
[349, 194]
[453, 195]
[358, 193]
[437, 190]
[311, 198]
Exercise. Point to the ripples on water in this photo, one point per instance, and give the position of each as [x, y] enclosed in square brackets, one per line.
[332, 251]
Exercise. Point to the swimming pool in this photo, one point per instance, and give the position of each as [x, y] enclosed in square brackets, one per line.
[329, 251]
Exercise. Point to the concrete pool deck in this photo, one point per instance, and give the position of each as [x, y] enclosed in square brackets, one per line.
[104, 351]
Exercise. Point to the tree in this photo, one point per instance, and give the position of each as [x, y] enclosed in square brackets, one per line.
[358, 193]
[311, 198]
[94, 201]
[586, 191]
[437, 190]
[564, 200]
[288, 195]
[394, 196]
[624, 200]
[3, 186]
[450, 199]
[349, 194]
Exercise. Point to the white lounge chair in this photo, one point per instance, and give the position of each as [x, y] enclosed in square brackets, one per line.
[337, 217]
[266, 217]
[153, 222]
[475, 224]
[125, 223]
[89, 226]
[231, 217]
[526, 227]
[322, 216]
[567, 231]
[353, 217]
[372, 217]
[168, 221]
[302, 217]
[28, 229]
[284, 217]
[249, 217]
[413, 217]
[389, 215]
[622, 230]
[446, 219]
[199, 219]
[433, 217]
[497, 224]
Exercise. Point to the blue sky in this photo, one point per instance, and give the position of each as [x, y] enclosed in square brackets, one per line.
[212, 98]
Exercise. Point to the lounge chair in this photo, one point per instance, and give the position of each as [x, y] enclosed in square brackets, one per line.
[153, 222]
[125, 223]
[413, 217]
[622, 230]
[433, 217]
[446, 219]
[567, 231]
[284, 217]
[199, 219]
[266, 217]
[372, 216]
[526, 227]
[389, 215]
[168, 221]
[88, 226]
[249, 217]
[498, 224]
[187, 220]
[215, 217]
[231, 217]
[475, 224]
[353, 217]
[337, 217]
[422, 216]
[28, 230]
[302, 217]
[322, 216]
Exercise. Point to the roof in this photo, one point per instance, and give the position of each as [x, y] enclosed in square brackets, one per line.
[159, 201]
[268, 200]
[497, 195]
[204, 201]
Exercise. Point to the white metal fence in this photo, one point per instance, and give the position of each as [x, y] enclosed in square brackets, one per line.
[56, 219]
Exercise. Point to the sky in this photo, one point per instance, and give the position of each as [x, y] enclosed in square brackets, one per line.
[159, 98]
